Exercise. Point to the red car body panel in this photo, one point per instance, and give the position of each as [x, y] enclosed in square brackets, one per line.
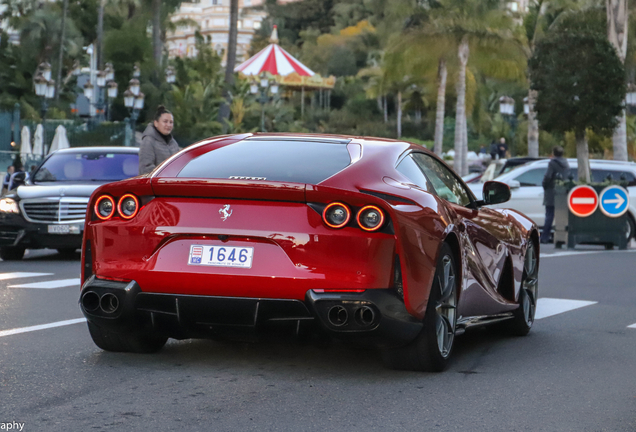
[293, 248]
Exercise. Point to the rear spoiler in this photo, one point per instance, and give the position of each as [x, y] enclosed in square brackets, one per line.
[234, 189]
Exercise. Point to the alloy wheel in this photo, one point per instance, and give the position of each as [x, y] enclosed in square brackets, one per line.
[445, 309]
[530, 285]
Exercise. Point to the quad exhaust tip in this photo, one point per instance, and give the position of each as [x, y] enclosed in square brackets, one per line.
[90, 301]
[108, 303]
[338, 316]
[365, 316]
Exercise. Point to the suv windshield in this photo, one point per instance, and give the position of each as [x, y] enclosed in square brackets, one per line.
[88, 166]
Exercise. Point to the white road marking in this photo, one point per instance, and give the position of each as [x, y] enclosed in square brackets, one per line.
[49, 284]
[583, 200]
[40, 327]
[559, 254]
[547, 307]
[18, 275]
[632, 326]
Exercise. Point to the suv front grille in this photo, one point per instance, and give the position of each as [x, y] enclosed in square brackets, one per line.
[54, 210]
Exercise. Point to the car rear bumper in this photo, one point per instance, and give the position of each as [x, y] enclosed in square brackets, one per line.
[375, 317]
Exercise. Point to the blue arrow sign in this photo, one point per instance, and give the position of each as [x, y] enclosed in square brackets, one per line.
[614, 201]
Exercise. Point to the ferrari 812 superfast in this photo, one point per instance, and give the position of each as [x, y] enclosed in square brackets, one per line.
[370, 240]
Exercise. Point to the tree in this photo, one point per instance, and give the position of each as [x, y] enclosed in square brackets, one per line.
[479, 31]
[581, 85]
[224, 111]
[617, 21]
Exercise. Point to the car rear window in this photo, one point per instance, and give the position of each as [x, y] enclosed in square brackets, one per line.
[88, 166]
[284, 161]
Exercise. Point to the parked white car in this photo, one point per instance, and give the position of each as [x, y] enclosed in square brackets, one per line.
[527, 191]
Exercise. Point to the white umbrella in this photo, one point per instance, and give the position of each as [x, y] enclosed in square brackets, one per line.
[38, 141]
[25, 147]
[60, 141]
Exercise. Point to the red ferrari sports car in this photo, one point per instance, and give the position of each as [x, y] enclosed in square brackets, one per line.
[372, 240]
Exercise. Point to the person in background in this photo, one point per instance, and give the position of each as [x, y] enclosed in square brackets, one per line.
[482, 149]
[494, 151]
[503, 148]
[7, 179]
[16, 181]
[558, 169]
[157, 143]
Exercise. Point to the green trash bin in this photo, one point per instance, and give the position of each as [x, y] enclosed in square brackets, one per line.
[597, 228]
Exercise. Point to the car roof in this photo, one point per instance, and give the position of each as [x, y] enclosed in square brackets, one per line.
[594, 163]
[574, 161]
[110, 149]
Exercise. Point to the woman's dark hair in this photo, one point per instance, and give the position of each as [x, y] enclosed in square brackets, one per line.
[161, 110]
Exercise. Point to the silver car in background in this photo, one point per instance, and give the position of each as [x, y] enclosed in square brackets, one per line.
[527, 191]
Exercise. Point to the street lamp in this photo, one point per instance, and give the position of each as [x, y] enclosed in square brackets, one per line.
[109, 71]
[134, 86]
[526, 106]
[506, 105]
[134, 101]
[112, 94]
[44, 89]
[136, 71]
[88, 90]
[507, 110]
[266, 86]
[44, 69]
[171, 75]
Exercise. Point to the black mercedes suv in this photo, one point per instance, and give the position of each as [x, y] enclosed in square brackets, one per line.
[48, 210]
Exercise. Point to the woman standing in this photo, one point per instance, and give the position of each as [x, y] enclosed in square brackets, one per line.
[157, 143]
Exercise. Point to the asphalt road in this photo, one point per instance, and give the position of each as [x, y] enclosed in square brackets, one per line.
[576, 371]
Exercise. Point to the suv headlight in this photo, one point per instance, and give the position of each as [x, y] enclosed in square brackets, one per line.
[8, 205]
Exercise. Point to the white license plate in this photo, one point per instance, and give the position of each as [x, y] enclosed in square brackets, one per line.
[221, 256]
[64, 229]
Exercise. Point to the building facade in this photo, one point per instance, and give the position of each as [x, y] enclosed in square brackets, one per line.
[211, 18]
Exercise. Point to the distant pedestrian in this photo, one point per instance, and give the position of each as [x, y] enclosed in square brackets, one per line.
[494, 151]
[7, 179]
[482, 149]
[558, 169]
[157, 143]
[17, 178]
[502, 149]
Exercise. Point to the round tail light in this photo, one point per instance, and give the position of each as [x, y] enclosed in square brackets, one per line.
[370, 218]
[105, 207]
[336, 215]
[128, 206]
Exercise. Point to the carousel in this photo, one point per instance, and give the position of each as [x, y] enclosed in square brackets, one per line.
[274, 67]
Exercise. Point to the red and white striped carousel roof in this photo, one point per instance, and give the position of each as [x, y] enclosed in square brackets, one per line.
[273, 59]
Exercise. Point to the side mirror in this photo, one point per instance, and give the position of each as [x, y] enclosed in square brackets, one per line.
[19, 178]
[514, 184]
[496, 192]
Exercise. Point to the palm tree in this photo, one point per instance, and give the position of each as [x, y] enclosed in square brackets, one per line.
[224, 111]
[480, 27]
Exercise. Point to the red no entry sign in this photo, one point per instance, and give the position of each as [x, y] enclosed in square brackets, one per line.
[583, 201]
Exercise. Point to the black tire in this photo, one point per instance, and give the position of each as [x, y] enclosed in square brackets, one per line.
[67, 252]
[125, 342]
[12, 253]
[528, 294]
[432, 348]
[631, 229]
